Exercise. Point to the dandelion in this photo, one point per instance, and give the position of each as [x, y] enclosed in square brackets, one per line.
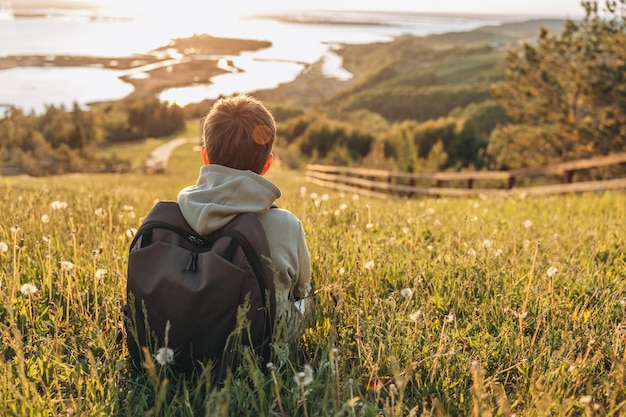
[499, 252]
[28, 289]
[355, 197]
[369, 226]
[406, 293]
[302, 191]
[14, 229]
[430, 248]
[552, 271]
[127, 208]
[302, 379]
[369, 265]
[430, 211]
[313, 196]
[528, 224]
[586, 399]
[325, 197]
[471, 252]
[99, 212]
[58, 205]
[414, 316]
[4, 248]
[131, 232]
[101, 273]
[341, 270]
[164, 356]
[45, 218]
[343, 207]
[405, 230]
[487, 243]
[450, 318]
[67, 266]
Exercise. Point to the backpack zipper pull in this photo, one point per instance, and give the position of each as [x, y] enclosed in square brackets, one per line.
[192, 262]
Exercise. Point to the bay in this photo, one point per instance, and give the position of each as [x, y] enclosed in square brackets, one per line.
[294, 46]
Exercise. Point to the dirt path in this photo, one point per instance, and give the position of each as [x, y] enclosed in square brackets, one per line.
[159, 157]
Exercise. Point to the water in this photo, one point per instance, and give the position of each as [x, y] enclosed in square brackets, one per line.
[294, 45]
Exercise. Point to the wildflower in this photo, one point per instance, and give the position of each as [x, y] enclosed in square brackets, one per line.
[28, 289]
[552, 271]
[475, 366]
[528, 224]
[302, 379]
[487, 243]
[499, 252]
[471, 252]
[369, 226]
[4, 247]
[405, 230]
[622, 302]
[430, 248]
[341, 270]
[45, 218]
[343, 207]
[164, 356]
[474, 219]
[67, 266]
[355, 197]
[586, 399]
[430, 211]
[406, 293]
[58, 205]
[14, 229]
[450, 318]
[101, 273]
[99, 212]
[46, 239]
[303, 191]
[325, 197]
[127, 208]
[369, 265]
[313, 196]
[131, 232]
[414, 316]
[270, 365]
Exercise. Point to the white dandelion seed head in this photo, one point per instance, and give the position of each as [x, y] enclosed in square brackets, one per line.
[474, 219]
[406, 293]
[499, 252]
[552, 271]
[475, 365]
[4, 248]
[45, 218]
[164, 356]
[343, 207]
[99, 212]
[14, 229]
[270, 365]
[430, 248]
[369, 226]
[622, 302]
[127, 207]
[324, 197]
[341, 270]
[317, 203]
[28, 289]
[450, 318]
[303, 191]
[313, 196]
[586, 399]
[430, 211]
[46, 239]
[131, 232]
[369, 265]
[528, 224]
[414, 316]
[437, 222]
[67, 266]
[405, 230]
[471, 252]
[355, 197]
[101, 273]
[58, 205]
[487, 243]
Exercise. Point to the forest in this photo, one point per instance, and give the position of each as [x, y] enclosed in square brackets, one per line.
[499, 97]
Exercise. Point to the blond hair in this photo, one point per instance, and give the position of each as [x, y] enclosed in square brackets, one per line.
[239, 133]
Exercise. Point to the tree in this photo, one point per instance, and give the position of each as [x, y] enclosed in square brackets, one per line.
[569, 87]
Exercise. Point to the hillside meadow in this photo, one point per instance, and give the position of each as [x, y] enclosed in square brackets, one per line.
[426, 306]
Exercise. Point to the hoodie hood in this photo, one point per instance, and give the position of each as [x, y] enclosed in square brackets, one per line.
[221, 193]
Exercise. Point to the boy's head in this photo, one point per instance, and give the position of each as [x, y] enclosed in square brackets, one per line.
[239, 133]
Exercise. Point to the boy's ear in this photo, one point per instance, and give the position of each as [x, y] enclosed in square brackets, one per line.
[268, 164]
[205, 156]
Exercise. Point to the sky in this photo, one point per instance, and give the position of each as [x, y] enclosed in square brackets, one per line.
[558, 8]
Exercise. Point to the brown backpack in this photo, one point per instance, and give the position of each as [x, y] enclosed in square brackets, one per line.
[185, 291]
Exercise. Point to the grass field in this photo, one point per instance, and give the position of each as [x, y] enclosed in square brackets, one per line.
[505, 307]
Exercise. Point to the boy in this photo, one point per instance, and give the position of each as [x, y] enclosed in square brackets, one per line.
[238, 135]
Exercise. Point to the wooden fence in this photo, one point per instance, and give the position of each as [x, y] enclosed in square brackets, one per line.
[387, 184]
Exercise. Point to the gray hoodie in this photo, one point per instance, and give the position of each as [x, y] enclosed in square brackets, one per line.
[221, 193]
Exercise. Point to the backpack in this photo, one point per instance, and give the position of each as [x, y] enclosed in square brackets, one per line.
[186, 292]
